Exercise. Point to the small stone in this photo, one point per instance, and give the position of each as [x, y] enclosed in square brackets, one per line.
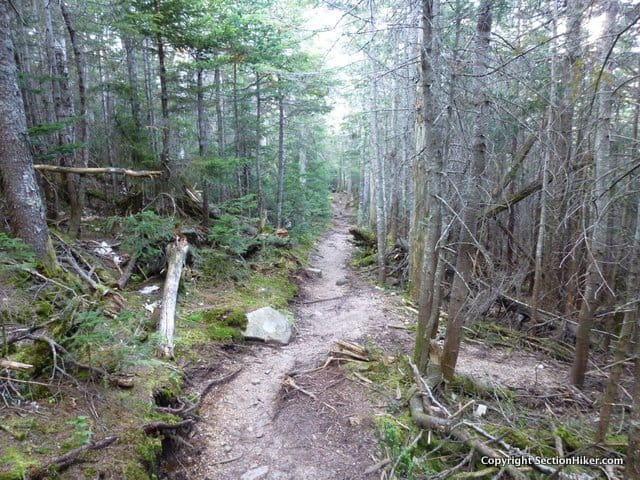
[255, 381]
[228, 448]
[342, 281]
[255, 473]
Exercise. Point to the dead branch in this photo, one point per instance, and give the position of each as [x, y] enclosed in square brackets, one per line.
[157, 427]
[128, 271]
[310, 302]
[68, 459]
[11, 365]
[289, 382]
[99, 171]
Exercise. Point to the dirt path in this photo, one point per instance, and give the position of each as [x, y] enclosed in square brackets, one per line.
[251, 429]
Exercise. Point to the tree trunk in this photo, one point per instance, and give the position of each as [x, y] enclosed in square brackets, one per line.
[259, 147]
[217, 80]
[282, 163]
[427, 214]
[377, 161]
[632, 462]
[165, 165]
[467, 247]
[202, 124]
[598, 239]
[176, 254]
[83, 126]
[19, 185]
[624, 338]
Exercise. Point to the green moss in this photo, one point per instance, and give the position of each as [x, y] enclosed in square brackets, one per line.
[231, 317]
[14, 464]
[467, 386]
[223, 334]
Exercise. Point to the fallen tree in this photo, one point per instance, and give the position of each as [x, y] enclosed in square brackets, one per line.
[98, 171]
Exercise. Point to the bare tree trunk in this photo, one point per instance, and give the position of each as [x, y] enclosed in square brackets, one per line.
[202, 125]
[427, 213]
[598, 238]
[625, 336]
[552, 115]
[259, 147]
[176, 254]
[83, 126]
[149, 94]
[19, 185]
[632, 462]
[467, 248]
[377, 161]
[282, 162]
[165, 165]
[217, 80]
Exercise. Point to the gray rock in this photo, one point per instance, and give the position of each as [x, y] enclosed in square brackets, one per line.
[314, 271]
[255, 473]
[268, 325]
[342, 281]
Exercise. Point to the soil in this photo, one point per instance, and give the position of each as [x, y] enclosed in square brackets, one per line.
[255, 427]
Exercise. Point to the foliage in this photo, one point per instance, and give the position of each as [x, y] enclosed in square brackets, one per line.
[15, 254]
[82, 432]
[145, 234]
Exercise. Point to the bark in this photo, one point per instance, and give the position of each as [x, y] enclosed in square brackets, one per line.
[83, 125]
[165, 165]
[217, 80]
[202, 124]
[259, 147]
[598, 238]
[64, 113]
[467, 249]
[377, 160]
[624, 338]
[176, 254]
[427, 216]
[552, 115]
[282, 163]
[19, 186]
[99, 171]
[632, 462]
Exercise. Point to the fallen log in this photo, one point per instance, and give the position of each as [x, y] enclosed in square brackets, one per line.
[99, 171]
[68, 459]
[177, 255]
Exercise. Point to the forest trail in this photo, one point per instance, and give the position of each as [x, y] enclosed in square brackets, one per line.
[251, 428]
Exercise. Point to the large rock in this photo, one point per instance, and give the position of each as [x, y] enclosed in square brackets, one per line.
[268, 325]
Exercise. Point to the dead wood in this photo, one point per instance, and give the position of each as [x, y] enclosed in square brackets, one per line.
[68, 459]
[99, 171]
[176, 254]
[158, 427]
[323, 300]
[128, 271]
[350, 350]
[11, 365]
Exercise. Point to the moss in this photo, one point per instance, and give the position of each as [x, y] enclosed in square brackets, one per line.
[223, 334]
[468, 386]
[231, 317]
[14, 464]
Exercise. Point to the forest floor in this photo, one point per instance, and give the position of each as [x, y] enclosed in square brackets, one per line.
[255, 426]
